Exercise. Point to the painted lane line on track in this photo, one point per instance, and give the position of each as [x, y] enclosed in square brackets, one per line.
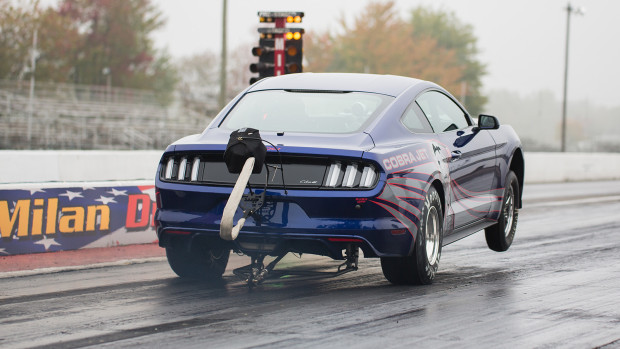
[52, 270]
[574, 202]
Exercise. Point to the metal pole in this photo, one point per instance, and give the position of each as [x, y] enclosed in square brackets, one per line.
[222, 97]
[109, 87]
[33, 66]
[569, 10]
[279, 59]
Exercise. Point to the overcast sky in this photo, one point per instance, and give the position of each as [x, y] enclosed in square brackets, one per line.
[522, 42]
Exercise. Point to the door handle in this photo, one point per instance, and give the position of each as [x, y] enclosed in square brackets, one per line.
[455, 155]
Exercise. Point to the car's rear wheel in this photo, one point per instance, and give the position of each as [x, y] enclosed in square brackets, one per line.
[420, 267]
[500, 235]
[202, 262]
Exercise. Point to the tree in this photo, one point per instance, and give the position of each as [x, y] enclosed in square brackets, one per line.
[379, 41]
[59, 43]
[114, 43]
[17, 26]
[451, 34]
[94, 42]
[198, 85]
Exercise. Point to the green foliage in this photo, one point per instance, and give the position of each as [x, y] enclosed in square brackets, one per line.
[17, 25]
[94, 42]
[432, 45]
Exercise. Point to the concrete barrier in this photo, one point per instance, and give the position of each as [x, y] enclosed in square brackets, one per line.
[24, 166]
[85, 166]
[64, 200]
[571, 167]
[67, 200]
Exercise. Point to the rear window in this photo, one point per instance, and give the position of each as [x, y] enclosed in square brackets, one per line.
[306, 111]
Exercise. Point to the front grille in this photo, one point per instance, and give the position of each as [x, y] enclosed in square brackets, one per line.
[300, 172]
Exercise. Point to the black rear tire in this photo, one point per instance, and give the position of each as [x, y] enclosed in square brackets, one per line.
[500, 235]
[202, 262]
[420, 267]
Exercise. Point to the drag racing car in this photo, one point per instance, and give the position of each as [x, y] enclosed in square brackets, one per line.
[335, 163]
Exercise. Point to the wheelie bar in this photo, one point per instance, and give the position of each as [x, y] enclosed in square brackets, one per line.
[256, 272]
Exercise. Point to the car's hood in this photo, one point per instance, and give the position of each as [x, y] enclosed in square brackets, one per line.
[354, 144]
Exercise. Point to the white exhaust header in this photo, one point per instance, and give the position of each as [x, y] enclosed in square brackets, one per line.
[227, 230]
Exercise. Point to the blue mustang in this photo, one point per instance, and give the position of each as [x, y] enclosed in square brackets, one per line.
[389, 164]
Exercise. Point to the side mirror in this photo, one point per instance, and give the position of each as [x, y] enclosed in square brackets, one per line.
[487, 122]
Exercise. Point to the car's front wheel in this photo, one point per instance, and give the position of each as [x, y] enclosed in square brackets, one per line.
[500, 235]
[207, 263]
[420, 267]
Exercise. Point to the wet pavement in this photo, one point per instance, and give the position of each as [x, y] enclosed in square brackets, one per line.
[557, 286]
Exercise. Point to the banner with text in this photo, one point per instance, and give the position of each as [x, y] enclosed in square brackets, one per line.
[58, 219]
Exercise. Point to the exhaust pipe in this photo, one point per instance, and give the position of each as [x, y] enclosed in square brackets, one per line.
[227, 230]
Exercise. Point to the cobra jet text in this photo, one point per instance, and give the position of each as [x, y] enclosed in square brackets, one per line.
[400, 160]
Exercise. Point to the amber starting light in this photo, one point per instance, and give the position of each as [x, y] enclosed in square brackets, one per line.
[291, 35]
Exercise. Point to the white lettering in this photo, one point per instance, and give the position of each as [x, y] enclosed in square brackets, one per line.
[386, 164]
[394, 162]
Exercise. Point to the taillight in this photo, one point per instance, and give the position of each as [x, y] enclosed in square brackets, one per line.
[333, 176]
[179, 168]
[182, 168]
[178, 232]
[195, 167]
[349, 176]
[344, 240]
[169, 168]
[369, 177]
[343, 175]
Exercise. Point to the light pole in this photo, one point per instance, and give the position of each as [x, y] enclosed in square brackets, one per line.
[569, 10]
[222, 96]
[108, 89]
[34, 54]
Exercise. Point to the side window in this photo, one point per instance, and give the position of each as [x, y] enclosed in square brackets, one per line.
[443, 114]
[415, 122]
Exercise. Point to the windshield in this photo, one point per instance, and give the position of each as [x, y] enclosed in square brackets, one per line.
[306, 111]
